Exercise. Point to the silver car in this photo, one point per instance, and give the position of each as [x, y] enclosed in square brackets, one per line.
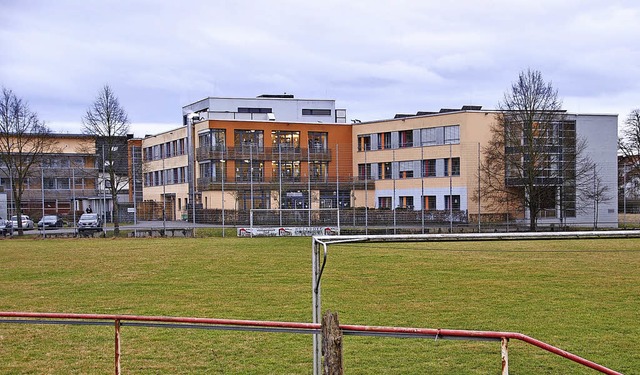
[90, 223]
[27, 223]
[6, 227]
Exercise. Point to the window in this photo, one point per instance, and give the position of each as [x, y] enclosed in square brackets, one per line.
[406, 138]
[384, 202]
[384, 140]
[288, 170]
[213, 171]
[285, 140]
[79, 162]
[63, 183]
[328, 200]
[204, 139]
[49, 183]
[455, 166]
[430, 136]
[147, 154]
[386, 171]
[429, 202]
[261, 199]
[406, 202]
[295, 199]
[157, 152]
[181, 147]
[316, 112]
[364, 142]
[429, 168]
[456, 202]
[254, 110]
[318, 171]
[318, 141]
[440, 135]
[452, 134]
[406, 169]
[245, 139]
[364, 171]
[249, 171]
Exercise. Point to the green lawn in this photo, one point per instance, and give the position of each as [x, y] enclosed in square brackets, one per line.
[580, 295]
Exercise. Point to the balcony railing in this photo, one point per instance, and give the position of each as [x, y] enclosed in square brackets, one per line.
[302, 182]
[262, 153]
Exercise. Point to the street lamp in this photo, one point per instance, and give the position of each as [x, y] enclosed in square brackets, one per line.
[164, 199]
[135, 208]
[42, 183]
[73, 192]
[223, 170]
[251, 172]
[191, 118]
[104, 193]
[13, 211]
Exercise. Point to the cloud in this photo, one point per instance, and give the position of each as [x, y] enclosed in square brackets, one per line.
[374, 57]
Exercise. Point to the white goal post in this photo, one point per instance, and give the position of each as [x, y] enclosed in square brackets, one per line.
[320, 251]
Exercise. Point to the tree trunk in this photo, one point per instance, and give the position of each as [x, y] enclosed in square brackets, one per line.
[114, 215]
[17, 210]
[331, 344]
[534, 210]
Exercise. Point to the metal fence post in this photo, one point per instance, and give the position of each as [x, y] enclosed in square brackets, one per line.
[504, 342]
[117, 347]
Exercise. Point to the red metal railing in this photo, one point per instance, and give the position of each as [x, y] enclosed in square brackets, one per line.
[285, 327]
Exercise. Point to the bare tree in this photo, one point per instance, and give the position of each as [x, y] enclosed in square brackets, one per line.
[24, 139]
[531, 159]
[629, 144]
[629, 148]
[108, 121]
[593, 192]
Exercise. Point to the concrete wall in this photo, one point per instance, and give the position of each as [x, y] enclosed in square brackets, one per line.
[601, 134]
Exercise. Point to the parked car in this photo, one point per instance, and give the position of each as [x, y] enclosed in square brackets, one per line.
[50, 221]
[27, 223]
[6, 227]
[89, 223]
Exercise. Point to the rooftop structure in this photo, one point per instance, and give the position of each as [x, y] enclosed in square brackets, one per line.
[267, 108]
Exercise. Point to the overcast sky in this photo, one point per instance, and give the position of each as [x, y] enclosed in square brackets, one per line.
[375, 58]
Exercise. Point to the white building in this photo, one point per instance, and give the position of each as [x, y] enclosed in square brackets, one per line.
[267, 108]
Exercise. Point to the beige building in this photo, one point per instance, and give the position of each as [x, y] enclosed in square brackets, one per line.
[431, 161]
[66, 181]
[426, 161]
[165, 170]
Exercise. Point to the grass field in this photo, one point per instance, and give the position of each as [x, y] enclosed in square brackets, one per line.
[580, 295]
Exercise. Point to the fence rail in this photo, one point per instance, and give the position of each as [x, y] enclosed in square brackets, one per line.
[282, 327]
